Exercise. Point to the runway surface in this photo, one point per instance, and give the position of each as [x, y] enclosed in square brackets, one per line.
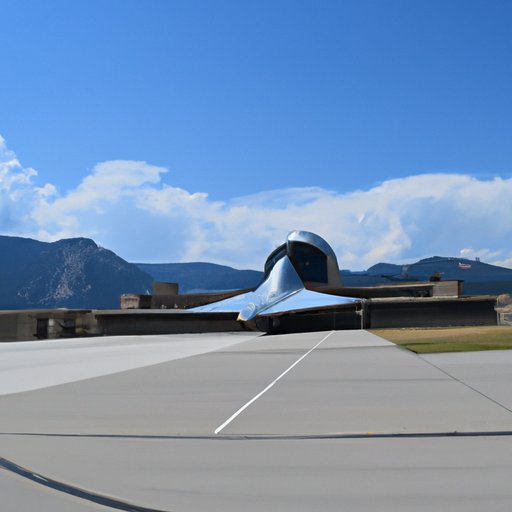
[316, 421]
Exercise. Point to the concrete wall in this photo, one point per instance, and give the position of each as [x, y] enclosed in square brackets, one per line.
[378, 313]
[431, 313]
[504, 309]
[32, 325]
[164, 322]
[416, 289]
[161, 288]
[17, 326]
[309, 322]
[134, 301]
[192, 300]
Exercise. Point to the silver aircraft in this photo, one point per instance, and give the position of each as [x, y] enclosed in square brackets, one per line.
[301, 276]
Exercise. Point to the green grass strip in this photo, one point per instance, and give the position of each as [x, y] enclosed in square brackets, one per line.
[463, 339]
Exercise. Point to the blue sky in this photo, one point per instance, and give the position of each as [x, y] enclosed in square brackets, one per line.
[195, 118]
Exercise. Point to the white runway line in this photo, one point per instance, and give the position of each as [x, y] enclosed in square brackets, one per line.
[252, 400]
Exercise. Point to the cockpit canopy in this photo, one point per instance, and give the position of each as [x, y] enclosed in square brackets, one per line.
[312, 258]
[298, 277]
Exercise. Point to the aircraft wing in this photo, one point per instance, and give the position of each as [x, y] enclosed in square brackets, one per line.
[305, 300]
[282, 291]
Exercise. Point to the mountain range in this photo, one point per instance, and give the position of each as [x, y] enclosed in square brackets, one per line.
[72, 273]
[479, 278]
[199, 277]
[77, 273]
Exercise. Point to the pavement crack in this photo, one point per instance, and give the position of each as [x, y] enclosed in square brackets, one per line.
[467, 385]
[269, 437]
[78, 492]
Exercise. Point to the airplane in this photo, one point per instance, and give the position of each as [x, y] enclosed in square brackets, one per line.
[301, 277]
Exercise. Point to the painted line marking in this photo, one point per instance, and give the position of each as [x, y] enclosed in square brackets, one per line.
[252, 400]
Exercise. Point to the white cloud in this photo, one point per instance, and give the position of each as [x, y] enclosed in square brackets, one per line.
[18, 194]
[504, 263]
[126, 206]
[110, 184]
[501, 258]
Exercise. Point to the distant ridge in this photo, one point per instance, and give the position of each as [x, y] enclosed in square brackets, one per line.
[200, 276]
[479, 278]
[72, 273]
[77, 273]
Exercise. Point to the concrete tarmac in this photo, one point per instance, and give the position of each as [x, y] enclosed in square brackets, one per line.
[312, 421]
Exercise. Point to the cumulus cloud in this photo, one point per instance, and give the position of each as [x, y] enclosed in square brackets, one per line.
[18, 194]
[128, 207]
[110, 184]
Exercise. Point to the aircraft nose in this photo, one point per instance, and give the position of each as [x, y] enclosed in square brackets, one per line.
[247, 313]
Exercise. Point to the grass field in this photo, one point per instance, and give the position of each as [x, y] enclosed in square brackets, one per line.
[453, 339]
